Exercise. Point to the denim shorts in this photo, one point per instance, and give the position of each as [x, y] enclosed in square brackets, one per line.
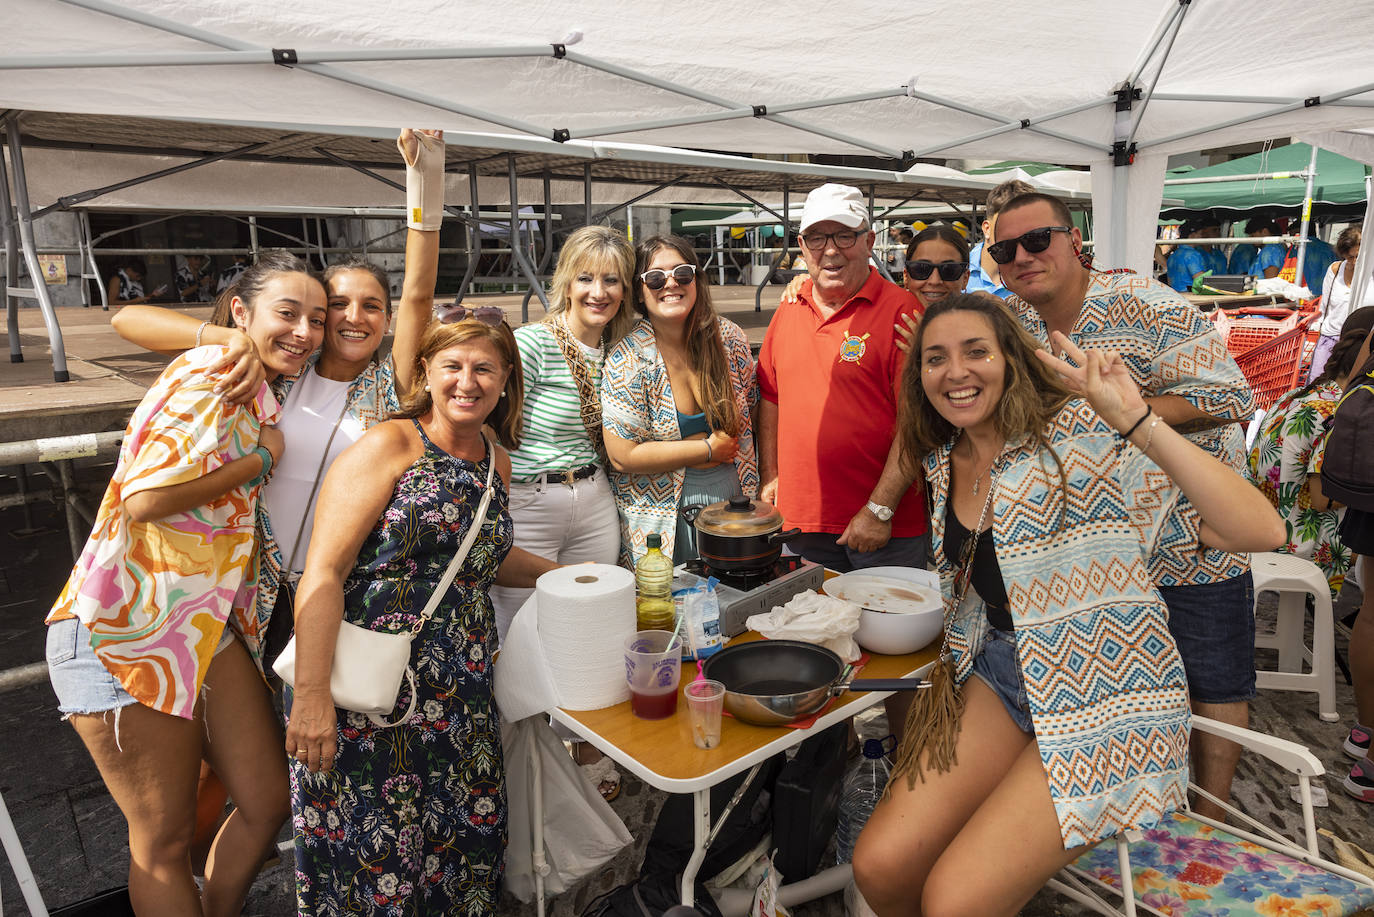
[1214, 627]
[80, 679]
[997, 667]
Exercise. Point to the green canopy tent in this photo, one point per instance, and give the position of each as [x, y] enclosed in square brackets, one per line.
[1338, 190]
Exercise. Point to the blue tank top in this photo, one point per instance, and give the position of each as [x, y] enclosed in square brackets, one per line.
[692, 424]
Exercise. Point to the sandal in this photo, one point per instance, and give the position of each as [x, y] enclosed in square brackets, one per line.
[603, 775]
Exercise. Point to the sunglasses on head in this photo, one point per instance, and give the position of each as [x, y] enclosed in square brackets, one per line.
[657, 279]
[950, 271]
[487, 315]
[1037, 240]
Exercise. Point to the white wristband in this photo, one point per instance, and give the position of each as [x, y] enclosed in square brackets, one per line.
[424, 183]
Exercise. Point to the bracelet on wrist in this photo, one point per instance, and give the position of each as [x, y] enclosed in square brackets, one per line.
[708, 448]
[1150, 434]
[1135, 426]
[267, 463]
[200, 331]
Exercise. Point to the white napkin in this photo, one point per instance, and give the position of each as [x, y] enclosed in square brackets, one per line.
[524, 685]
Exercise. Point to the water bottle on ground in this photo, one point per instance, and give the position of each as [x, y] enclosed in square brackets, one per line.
[863, 787]
[654, 588]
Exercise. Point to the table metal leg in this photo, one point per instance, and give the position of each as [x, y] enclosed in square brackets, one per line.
[703, 832]
[541, 866]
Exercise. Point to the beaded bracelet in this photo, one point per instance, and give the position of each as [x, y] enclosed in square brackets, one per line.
[267, 463]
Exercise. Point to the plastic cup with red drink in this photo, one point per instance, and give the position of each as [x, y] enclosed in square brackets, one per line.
[652, 669]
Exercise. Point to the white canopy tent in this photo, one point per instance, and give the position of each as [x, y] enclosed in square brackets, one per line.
[1117, 87]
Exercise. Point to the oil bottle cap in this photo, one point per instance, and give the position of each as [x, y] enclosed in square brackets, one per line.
[654, 540]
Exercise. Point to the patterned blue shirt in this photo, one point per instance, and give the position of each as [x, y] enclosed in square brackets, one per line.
[978, 280]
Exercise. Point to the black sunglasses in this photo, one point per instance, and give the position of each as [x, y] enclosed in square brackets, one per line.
[816, 241]
[657, 279]
[1037, 240]
[950, 271]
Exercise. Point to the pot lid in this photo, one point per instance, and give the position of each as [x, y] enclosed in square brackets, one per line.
[738, 517]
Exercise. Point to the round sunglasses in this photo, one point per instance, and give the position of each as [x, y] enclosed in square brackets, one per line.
[1037, 240]
[657, 279]
[950, 271]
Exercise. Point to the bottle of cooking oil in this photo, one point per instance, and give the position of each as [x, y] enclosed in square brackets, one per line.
[654, 588]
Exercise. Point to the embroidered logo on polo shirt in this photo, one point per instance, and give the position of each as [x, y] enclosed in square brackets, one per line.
[852, 348]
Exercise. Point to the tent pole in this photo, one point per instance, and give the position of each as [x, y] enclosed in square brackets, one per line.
[1010, 123]
[474, 233]
[1360, 282]
[1155, 39]
[7, 235]
[1307, 218]
[90, 254]
[639, 197]
[81, 261]
[1180, 11]
[587, 189]
[1008, 127]
[253, 237]
[260, 56]
[1258, 116]
[30, 249]
[873, 255]
[744, 194]
[546, 255]
[525, 267]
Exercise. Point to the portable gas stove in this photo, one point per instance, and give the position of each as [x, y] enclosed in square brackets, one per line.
[742, 593]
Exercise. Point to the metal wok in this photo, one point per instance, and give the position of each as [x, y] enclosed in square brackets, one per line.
[776, 682]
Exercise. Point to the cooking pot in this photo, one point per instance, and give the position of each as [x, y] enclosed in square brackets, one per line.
[776, 682]
[739, 533]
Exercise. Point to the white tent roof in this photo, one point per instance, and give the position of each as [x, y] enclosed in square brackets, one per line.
[718, 74]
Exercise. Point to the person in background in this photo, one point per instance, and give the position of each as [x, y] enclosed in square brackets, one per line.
[411, 819]
[195, 279]
[1178, 360]
[932, 267]
[828, 373]
[126, 286]
[1186, 262]
[1315, 262]
[1040, 471]
[1286, 460]
[232, 272]
[1265, 261]
[984, 273]
[677, 396]
[1336, 305]
[147, 626]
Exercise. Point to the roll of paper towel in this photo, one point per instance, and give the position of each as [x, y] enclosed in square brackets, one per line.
[585, 613]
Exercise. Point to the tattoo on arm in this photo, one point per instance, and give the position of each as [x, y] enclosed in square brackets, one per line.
[1198, 424]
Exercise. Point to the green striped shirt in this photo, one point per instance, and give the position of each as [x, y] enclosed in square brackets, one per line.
[554, 438]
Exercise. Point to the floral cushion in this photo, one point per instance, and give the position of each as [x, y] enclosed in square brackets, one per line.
[1185, 867]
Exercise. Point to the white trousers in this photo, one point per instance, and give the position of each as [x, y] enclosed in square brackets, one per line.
[568, 524]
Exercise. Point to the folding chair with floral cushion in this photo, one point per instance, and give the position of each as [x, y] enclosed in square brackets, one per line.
[1191, 865]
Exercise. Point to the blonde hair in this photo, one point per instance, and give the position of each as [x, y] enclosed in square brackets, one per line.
[595, 247]
[706, 354]
[507, 418]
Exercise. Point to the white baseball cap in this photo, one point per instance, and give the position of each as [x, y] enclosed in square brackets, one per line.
[841, 203]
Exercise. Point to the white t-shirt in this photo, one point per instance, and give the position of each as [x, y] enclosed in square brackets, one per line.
[307, 419]
[1336, 300]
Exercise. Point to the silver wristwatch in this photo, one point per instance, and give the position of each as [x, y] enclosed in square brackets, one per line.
[884, 513]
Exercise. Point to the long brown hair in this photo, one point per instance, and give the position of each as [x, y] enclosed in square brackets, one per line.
[1032, 394]
[507, 418]
[705, 348]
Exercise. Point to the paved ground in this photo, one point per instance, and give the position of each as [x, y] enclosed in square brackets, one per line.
[74, 835]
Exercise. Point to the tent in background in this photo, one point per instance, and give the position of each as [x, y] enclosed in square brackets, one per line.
[1338, 189]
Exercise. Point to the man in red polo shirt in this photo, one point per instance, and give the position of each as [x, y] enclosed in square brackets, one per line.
[829, 373]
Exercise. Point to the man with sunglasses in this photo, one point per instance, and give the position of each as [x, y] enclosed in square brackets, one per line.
[829, 372]
[1191, 382]
[983, 275]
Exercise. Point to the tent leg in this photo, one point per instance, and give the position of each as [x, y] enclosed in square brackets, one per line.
[253, 237]
[547, 254]
[1307, 219]
[587, 190]
[25, 221]
[525, 267]
[474, 238]
[11, 264]
[1366, 255]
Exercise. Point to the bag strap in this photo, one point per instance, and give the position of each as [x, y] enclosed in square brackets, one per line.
[319, 476]
[587, 395]
[460, 558]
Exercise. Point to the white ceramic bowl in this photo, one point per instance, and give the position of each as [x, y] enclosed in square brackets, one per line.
[914, 612]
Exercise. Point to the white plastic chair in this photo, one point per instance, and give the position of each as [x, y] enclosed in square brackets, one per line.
[1293, 579]
[1099, 871]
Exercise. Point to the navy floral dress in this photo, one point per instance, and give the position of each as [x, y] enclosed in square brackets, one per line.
[412, 820]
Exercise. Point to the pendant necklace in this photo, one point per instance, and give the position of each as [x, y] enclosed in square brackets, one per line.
[973, 456]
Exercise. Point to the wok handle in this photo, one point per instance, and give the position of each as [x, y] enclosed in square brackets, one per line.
[783, 537]
[884, 684]
[690, 513]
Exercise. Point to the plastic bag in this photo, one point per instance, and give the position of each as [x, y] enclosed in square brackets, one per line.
[766, 902]
[813, 618]
[581, 831]
[699, 608]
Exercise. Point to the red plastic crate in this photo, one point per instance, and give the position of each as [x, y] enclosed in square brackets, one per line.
[1278, 365]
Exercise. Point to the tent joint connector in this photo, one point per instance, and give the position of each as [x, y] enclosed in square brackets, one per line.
[1126, 97]
[1312, 102]
[560, 51]
[1025, 123]
[760, 111]
[1123, 154]
[284, 57]
[561, 135]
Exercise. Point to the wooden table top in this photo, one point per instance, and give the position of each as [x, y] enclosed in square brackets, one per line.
[662, 753]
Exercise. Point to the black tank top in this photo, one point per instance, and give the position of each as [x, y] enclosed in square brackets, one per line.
[986, 575]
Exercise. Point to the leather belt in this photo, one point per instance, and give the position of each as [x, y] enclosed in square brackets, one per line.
[566, 477]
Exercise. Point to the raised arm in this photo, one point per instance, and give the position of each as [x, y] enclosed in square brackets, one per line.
[170, 332]
[1235, 515]
[423, 152]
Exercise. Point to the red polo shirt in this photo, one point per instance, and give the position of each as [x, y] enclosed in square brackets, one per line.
[835, 382]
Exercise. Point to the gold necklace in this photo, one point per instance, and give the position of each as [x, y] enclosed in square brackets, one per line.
[973, 457]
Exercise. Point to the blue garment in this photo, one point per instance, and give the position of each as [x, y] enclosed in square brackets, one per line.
[1315, 262]
[1216, 261]
[1242, 259]
[692, 424]
[1184, 262]
[1268, 256]
[978, 280]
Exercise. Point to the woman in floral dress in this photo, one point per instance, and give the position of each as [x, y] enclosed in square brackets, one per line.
[411, 820]
[1286, 462]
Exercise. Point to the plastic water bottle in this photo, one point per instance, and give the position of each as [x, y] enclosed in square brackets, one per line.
[654, 588]
[863, 787]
